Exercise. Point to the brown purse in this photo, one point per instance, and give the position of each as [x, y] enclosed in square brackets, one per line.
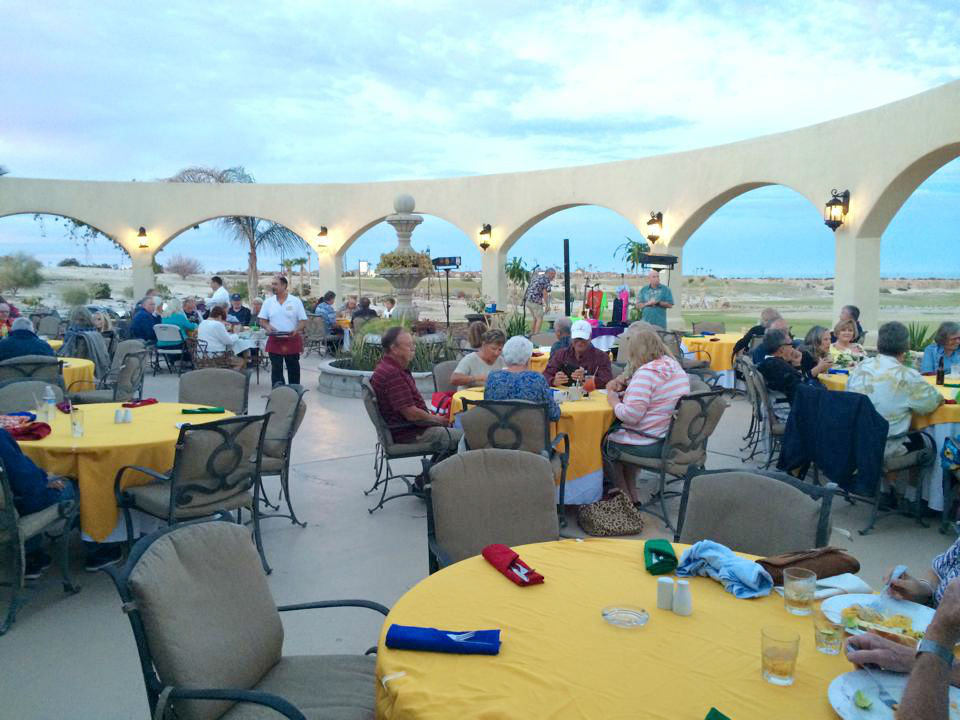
[825, 562]
[613, 515]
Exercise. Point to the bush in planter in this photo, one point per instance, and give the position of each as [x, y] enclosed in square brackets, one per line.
[406, 260]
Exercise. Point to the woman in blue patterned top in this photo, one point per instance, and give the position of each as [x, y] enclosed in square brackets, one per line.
[517, 381]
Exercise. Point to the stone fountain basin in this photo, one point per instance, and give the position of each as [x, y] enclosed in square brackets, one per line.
[344, 382]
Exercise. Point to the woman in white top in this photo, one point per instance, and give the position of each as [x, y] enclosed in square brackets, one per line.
[474, 368]
[214, 334]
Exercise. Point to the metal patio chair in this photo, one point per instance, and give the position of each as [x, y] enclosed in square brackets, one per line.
[286, 408]
[216, 387]
[25, 396]
[125, 386]
[43, 368]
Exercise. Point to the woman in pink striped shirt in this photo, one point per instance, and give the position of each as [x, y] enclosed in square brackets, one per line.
[646, 407]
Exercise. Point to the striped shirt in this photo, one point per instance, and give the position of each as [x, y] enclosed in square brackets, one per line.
[648, 403]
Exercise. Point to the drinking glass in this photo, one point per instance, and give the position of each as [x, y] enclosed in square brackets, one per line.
[590, 383]
[799, 586]
[778, 654]
[827, 634]
[76, 422]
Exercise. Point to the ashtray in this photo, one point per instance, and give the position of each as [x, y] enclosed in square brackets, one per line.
[626, 616]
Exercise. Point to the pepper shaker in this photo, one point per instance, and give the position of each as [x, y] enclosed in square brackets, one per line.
[682, 599]
[127, 416]
[665, 593]
[118, 416]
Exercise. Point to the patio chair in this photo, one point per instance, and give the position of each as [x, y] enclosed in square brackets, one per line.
[694, 419]
[488, 496]
[317, 336]
[210, 638]
[216, 467]
[517, 425]
[201, 357]
[217, 387]
[43, 368]
[771, 427]
[49, 326]
[388, 450]
[125, 386]
[722, 505]
[692, 366]
[755, 432]
[543, 338]
[286, 409]
[442, 371]
[15, 529]
[617, 369]
[172, 355]
[25, 396]
[712, 327]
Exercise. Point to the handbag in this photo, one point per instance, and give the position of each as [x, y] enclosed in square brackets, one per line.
[612, 515]
[825, 562]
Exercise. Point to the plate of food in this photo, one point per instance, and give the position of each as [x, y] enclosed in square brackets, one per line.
[12, 421]
[856, 695]
[899, 620]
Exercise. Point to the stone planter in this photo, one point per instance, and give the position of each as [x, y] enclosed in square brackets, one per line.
[404, 281]
[344, 382]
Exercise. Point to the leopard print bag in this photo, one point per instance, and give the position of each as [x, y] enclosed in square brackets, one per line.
[612, 515]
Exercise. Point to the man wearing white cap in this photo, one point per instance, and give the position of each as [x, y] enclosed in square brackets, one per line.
[578, 361]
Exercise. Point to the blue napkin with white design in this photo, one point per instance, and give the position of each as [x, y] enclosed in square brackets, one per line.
[470, 642]
[741, 577]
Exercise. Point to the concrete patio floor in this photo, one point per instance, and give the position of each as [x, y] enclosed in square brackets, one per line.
[74, 656]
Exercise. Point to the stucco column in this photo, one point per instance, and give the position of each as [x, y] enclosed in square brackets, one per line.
[141, 261]
[494, 281]
[675, 314]
[857, 280]
[328, 271]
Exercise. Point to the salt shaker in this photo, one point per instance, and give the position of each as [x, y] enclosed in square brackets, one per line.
[127, 416]
[682, 599]
[665, 593]
[118, 416]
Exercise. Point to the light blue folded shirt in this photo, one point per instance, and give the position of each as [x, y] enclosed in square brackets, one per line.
[739, 576]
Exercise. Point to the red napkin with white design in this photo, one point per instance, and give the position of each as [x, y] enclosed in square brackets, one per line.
[30, 431]
[140, 403]
[509, 563]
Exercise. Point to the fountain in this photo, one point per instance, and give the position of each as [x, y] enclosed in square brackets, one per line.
[404, 268]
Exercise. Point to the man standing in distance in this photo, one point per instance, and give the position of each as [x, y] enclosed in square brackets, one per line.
[654, 299]
[538, 298]
[220, 295]
[284, 318]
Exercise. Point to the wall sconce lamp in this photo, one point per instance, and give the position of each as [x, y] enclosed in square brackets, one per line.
[323, 231]
[485, 241]
[142, 237]
[836, 209]
[654, 226]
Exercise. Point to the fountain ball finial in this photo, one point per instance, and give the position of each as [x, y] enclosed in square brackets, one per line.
[404, 203]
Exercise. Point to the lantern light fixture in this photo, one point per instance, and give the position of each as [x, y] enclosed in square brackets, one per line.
[485, 241]
[655, 226]
[323, 231]
[142, 237]
[836, 209]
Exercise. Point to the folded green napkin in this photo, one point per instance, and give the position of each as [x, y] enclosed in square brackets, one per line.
[659, 557]
[715, 714]
[203, 411]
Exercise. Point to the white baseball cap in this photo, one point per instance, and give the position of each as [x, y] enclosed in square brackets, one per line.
[581, 329]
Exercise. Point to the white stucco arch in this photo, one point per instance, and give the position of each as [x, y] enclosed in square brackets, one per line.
[517, 234]
[177, 233]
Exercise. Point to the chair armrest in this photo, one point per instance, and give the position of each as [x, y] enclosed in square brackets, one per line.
[256, 697]
[369, 604]
[442, 556]
[146, 471]
[565, 455]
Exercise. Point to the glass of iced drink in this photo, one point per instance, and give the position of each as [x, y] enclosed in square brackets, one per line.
[798, 588]
[778, 654]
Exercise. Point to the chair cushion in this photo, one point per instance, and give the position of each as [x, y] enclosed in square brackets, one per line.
[322, 687]
[207, 611]
[91, 396]
[37, 522]
[155, 500]
[271, 465]
[907, 460]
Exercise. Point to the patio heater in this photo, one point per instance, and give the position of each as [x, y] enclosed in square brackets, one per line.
[447, 264]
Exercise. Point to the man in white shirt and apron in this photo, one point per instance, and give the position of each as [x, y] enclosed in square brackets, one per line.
[220, 295]
[284, 318]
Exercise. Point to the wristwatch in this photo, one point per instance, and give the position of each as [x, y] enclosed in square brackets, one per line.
[929, 646]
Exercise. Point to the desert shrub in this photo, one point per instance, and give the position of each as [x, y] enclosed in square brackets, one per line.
[127, 292]
[100, 291]
[163, 290]
[74, 295]
[69, 262]
[240, 288]
[19, 270]
[183, 266]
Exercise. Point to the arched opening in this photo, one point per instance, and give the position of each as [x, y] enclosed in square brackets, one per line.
[222, 246]
[765, 246]
[52, 261]
[436, 237]
[596, 236]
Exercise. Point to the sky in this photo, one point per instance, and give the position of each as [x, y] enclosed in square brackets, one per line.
[323, 91]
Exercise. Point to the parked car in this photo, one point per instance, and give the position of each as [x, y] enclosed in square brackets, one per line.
[111, 312]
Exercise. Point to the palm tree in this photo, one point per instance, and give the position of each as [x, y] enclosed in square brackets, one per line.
[254, 233]
[632, 252]
[517, 272]
[302, 262]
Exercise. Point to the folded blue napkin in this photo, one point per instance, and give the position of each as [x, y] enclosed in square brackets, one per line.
[739, 576]
[476, 642]
[837, 371]
[707, 332]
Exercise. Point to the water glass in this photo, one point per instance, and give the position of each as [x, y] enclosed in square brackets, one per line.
[76, 422]
[778, 654]
[827, 634]
[799, 586]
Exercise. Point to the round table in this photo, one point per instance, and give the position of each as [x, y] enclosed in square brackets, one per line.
[559, 659]
[718, 349]
[942, 423]
[95, 458]
[538, 363]
[585, 422]
[78, 370]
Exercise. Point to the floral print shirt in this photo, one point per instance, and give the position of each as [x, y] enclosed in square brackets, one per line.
[526, 385]
[947, 567]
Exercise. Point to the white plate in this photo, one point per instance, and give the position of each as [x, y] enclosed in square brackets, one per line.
[841, 691]
[921, 615]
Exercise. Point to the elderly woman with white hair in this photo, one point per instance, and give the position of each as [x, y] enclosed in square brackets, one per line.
[517, 381]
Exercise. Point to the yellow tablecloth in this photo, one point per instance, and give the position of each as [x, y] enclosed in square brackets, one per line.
[538, 363]
[104, 448]
[559, 659]
[55, 344]
[585, 421]
[78, 370]
[943, 414]
[719, 347]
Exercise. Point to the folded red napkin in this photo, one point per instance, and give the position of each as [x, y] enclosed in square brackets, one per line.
[30, 431]
[140, 403]
[509, 563]
[64, 407]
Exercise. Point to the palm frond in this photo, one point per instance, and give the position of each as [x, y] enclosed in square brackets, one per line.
[279, 238]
